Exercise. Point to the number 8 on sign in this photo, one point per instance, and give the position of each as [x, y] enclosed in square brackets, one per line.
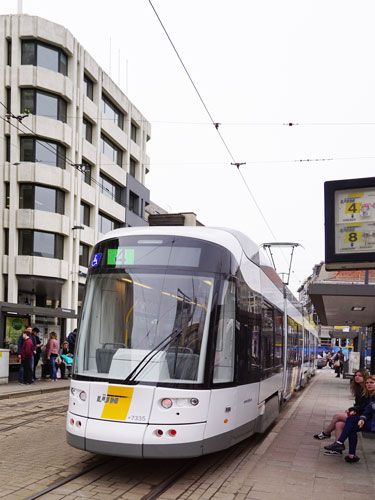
[353, 237]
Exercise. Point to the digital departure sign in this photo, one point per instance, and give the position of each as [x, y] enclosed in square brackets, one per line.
[350, 224]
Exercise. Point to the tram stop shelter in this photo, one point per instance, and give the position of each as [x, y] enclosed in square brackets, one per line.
[346, 298]
[20, 314]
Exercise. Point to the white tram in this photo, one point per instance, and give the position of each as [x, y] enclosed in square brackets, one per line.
[182, 347]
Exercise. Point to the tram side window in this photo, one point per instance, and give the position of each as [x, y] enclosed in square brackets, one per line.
[306, 348]
[278, 338]
[225, 348]
[300, 344]
[292, 342]
[267, 337]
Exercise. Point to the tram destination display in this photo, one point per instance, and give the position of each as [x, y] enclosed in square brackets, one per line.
[150, 254]
[350, 224]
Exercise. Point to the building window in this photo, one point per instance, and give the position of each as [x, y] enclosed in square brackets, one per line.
[41, 54]
[112, 112]
[84, 251]
[134, 202]
[132, 167]
[133, 132]
[7, 148]
[85, 214]
[7, 195]
[88, 87]
[110, 188]
[9, 52]
[6, 241]
[109, 149]
[9, 99]
[43, 104]
[40, 244]
[41, 151]
[87, 130]
[106, 223]
[42, 198]
[86, 171]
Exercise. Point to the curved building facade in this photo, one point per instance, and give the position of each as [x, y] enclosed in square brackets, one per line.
[73, 163]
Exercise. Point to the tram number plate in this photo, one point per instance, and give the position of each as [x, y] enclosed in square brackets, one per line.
[137, 418]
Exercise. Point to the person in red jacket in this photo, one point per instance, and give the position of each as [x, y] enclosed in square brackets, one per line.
[27, 353]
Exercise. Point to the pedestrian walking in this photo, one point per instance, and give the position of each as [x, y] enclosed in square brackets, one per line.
[338, 363]
[52, 352]
[27, 352]
[357, 423]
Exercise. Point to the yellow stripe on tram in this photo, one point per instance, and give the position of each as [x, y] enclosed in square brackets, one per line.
[117, 402]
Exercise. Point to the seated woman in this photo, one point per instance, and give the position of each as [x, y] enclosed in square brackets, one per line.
[337, 423]
[357, 423]
[66, 360]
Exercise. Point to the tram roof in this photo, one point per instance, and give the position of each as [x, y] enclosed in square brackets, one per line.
[233, 240]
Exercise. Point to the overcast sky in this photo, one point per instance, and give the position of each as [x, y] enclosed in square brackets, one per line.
[258, 65]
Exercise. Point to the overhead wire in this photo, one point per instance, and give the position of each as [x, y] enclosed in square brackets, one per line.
[216, 124]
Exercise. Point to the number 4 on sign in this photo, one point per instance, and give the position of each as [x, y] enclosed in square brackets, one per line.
[353, 237]
[352, 208]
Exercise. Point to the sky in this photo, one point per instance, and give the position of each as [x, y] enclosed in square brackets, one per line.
[258, 66]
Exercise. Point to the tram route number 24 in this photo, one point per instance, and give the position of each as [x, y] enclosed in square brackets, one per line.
[136, 418]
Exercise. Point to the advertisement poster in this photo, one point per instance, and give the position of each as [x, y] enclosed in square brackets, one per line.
[14, 326]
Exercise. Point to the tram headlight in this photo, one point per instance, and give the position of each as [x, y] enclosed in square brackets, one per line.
[194, 401]
[83, 396]
[77, 393]
[166, 403]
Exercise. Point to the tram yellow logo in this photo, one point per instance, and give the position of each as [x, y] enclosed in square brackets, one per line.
[116, 402]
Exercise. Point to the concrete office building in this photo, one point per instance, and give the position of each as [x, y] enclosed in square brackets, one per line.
[72, 169]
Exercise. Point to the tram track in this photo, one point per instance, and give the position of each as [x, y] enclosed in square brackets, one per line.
[71, 478]
[206, 466]
[4, 403]
[228, 455]
[47, 412]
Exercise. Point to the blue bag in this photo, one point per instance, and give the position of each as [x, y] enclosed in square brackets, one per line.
[67, 359]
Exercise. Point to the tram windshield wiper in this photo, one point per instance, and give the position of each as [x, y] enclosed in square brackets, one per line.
[149, 356]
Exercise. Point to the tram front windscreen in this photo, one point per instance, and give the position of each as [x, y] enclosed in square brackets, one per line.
[147, 309]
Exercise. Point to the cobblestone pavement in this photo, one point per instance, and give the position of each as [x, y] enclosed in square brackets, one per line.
[286, 464]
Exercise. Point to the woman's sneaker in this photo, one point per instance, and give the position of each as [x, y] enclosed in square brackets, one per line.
[351, 460]
[332, 452]
[322, 435]
[335, 447]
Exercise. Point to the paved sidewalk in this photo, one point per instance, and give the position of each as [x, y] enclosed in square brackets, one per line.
[290, 464]
[15, 390]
